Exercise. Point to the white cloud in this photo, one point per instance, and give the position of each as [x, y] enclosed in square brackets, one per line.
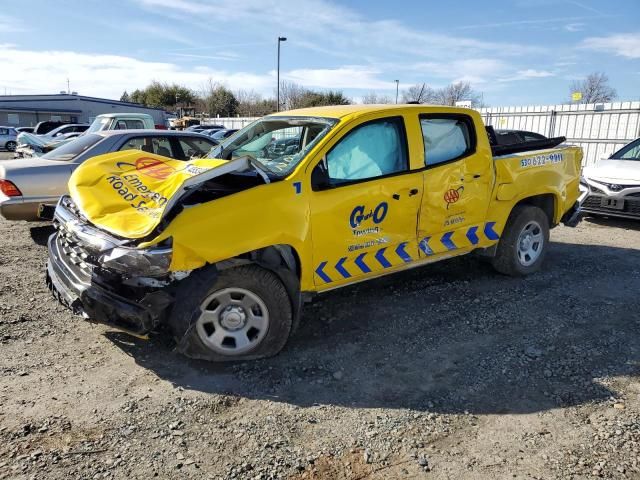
[11, 24]
[352, 76]
[623, 44]
[574, 27]
[324, 25]
[30, 71]
[527, 74]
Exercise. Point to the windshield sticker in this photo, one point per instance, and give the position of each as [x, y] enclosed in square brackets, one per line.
[541, 160]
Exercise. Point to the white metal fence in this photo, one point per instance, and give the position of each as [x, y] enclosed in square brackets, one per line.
[600, 129]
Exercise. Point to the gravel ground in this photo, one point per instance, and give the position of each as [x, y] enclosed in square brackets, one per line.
[447, 371]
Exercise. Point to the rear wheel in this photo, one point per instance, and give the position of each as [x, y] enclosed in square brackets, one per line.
[237, 314]
[524, 243]
[11, 146]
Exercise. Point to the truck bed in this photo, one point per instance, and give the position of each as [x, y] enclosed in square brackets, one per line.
[499, 150]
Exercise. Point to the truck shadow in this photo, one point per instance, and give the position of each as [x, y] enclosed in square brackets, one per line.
[450, 337]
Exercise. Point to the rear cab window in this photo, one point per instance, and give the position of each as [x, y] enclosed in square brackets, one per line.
[447, 138]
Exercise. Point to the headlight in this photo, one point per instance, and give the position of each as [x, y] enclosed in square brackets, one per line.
[150, 262]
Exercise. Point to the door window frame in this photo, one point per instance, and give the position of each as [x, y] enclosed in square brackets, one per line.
[473, 138]
[404, 144]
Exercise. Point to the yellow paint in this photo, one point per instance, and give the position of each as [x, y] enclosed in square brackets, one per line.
[317, 224]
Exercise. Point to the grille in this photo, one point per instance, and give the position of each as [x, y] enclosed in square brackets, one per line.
[72, 251]
[616, 187]
[630, 206]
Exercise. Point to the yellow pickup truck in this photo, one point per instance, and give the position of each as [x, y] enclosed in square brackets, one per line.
[225, 250]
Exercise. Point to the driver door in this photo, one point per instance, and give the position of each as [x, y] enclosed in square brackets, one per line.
[364, 209]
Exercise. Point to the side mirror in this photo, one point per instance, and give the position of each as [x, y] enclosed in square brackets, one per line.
[320, 177]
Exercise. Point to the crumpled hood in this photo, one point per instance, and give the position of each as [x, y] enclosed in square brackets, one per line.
[619, 171]
[127, 193]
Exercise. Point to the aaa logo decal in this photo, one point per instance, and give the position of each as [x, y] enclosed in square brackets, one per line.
[453, 195]
[154, 168]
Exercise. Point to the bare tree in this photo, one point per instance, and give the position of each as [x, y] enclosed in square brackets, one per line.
[419, 93]
[291, 95]
[252, 104]
[457, 92]
[595, 89]
[373, 98]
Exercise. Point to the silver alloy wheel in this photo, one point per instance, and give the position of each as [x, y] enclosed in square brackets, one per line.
[530, 243]
[232, 321]
[11, 146]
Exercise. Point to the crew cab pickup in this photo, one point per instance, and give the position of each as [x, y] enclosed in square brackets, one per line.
[224, 251]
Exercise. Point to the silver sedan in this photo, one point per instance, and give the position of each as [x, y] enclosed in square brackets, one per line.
[26, 184]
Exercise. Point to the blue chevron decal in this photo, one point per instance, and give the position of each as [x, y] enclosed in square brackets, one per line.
[424, 246]
[490, 232]
[381, 259]
[340, 268]
[472, 235]
[321, 274]
[447, 242]
[402, 253]
[359, 261]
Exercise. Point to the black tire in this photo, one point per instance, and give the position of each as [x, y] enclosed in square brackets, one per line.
[11, 146]
[507, 260]
[262, 283]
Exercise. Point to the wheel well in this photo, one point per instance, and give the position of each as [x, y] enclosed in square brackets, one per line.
[545, 202]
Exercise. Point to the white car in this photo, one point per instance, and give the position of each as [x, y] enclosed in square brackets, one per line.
[613, 185]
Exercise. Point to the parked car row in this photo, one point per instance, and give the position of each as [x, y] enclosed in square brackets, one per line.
[29, 183]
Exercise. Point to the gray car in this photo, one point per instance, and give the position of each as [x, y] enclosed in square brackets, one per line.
[27, 183]
[8, 138]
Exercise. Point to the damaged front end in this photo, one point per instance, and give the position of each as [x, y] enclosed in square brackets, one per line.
[105, 278]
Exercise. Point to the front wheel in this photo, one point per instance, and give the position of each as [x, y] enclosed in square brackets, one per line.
[524, 243]
[236, 314]
[11, 146]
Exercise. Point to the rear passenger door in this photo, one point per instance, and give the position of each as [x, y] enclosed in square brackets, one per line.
[457, 185]
[363, 219]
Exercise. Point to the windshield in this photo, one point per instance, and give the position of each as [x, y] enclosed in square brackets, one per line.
[71, 150]
[277, 143]
[630, 152]
[99, 124]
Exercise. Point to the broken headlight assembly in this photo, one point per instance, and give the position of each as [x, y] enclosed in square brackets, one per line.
[139, 262]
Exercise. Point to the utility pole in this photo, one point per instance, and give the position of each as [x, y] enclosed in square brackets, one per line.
[397, 86]
[280, 39]
[68, 88]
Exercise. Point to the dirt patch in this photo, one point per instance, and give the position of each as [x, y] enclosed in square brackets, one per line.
[447, 371]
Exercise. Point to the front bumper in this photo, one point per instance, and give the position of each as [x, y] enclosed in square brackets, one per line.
[630, 209]
[81, 289]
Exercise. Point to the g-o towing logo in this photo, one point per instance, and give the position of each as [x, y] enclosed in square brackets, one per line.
[359, 214]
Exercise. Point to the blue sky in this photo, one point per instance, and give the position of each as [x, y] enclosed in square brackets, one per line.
[515, 52]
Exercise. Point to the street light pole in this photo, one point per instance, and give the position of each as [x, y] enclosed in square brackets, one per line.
[280, 39]
[397, 86]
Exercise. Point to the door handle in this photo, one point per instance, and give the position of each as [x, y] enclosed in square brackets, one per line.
[471, 176]
[413, 191]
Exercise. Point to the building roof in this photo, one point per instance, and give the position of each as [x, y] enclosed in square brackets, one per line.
[59, 97]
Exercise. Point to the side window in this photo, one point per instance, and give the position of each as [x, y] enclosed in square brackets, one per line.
[157, 145]
[371, 150]
[136, 144]
[195, 147]
[446, 139]
[134, 124]
[4, 131]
